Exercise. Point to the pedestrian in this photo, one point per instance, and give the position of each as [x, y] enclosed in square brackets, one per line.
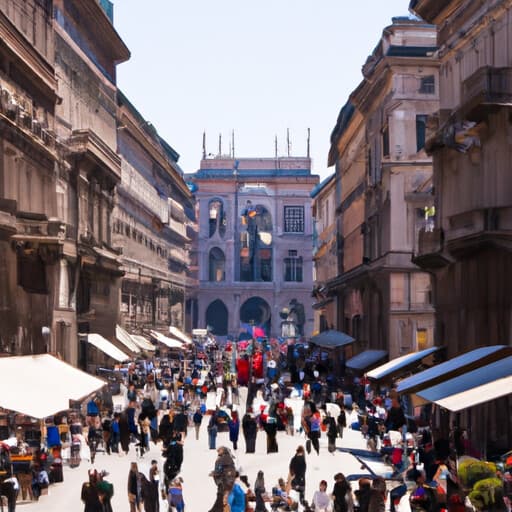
[270, 427]
[166, 427]
[260, 493]
[105, 492]
[321, 500]
[212, 431]
[197, 419]
[115, 433]
[297, 470]
[175, 495]
[340, 493]
[134, 488]
[181, 423]
[250, 431]
[342, 421]
[234, 429]
[151, 501]
[236, 499]
[315, 427]
[224, 475]
[332, 432]
[106, 428]
[90, 495]
[174, 456]
[124, 431]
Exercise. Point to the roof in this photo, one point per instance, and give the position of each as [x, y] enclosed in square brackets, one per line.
[344, 117]
[400, 363]
[318, 188]
[108, 348]
[472, 388]
[460, 364]
[365, 359]
[48, 384]
[332, 339]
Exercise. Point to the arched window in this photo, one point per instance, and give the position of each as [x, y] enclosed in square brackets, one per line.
[217, 218]
[217, 318]
[216, 265]
[256, 242]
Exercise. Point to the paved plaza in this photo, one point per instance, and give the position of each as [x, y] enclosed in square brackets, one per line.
[198, 488]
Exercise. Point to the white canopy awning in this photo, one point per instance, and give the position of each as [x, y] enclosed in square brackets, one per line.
[46, 387]
[127, 340]
[169, 342]
[143, 343]
[179, 334]
[108, 348]
[472, 388]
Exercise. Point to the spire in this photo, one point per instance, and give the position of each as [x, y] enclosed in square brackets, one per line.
[204, 145]
[309, 140]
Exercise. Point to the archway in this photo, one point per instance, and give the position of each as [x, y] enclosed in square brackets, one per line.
[217, 318]
[255, 317]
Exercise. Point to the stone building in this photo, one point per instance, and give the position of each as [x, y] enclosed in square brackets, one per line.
[469, 252]
[325, 253]
[35, 241]
[87, 50]
[384, 178]
[153, 212]
[254, 244]
[62, 161]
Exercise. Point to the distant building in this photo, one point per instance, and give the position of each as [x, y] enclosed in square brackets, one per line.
[325, 253]
[254, 245]
[383, 176]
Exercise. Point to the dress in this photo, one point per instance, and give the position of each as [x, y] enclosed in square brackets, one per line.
[250, 430]
[90, 497]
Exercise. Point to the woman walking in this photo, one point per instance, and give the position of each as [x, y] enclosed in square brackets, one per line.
[259, 491]
[234, 429]
[250, 430]
[298, 472]
[339, 493]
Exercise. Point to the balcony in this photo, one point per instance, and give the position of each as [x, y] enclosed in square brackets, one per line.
[430, 252]
[36, 230]
[479, 228]
[7, 218]
[485, 90]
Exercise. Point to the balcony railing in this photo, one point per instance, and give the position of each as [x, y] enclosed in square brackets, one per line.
[488, 86]
[430, 249]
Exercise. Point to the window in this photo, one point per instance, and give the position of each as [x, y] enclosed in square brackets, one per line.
[216, 217]
[216, 265]
[294, 219]
[428, 85]
[293, 267]
[421, 130]
[385, 141]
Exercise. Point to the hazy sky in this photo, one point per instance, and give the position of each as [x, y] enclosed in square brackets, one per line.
[256, 67]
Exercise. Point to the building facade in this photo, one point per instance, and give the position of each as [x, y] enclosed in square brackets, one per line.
[60, 171]
[469, 250]
[34, 237]
[152, 213]
[254, 244]
[384, 178]
[325, 257]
